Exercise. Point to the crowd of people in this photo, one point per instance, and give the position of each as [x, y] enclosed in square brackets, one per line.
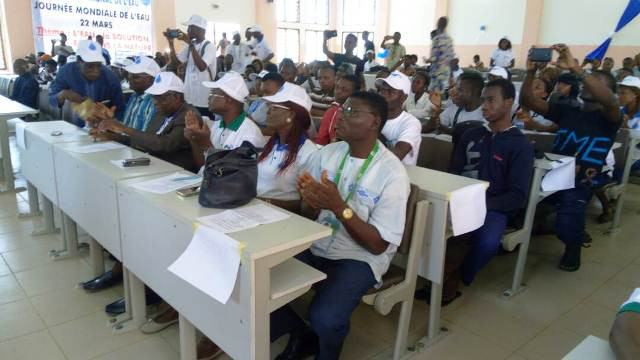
[333, 148]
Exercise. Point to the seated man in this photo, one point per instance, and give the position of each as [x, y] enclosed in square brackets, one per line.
[625, 333]
[87, 78]
[345, 87]
[500, 154]
[587, 134]
[344, 177]
[466, 104]
[322, 102]
[402, 131]
[25, 87]
[231, 126]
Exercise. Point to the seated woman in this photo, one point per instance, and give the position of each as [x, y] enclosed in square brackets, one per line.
[420, 103]
[284, 158]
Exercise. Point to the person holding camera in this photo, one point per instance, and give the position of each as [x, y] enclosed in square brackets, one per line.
[395, 51]
[200, 59]
[350, 43]
[63, 48]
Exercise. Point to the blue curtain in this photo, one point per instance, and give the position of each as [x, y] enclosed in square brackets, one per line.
[632, 10]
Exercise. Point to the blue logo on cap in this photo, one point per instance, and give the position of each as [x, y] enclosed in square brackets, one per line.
[158, 79]
[92, 46]
[138, 60]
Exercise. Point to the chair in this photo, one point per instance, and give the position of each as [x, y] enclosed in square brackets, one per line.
[399, 283]
[434, 153]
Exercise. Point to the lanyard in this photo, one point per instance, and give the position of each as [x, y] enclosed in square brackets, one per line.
[361, 172]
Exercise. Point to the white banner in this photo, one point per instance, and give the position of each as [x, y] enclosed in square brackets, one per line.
[126, 25]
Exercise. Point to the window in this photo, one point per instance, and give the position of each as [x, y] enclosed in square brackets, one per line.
[313, 46]
[288, 44]
[359, 13]
[3, 62]
[288, 10]
[315, 12]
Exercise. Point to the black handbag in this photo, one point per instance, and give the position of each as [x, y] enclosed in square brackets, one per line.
[230, 177]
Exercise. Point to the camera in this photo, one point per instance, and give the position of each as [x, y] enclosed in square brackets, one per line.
[330, 33]
[172, 33]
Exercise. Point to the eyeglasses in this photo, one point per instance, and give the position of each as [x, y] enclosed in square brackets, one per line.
[348, 111]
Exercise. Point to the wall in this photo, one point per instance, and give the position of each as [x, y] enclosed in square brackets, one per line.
[19, 26]
[414, 25]
[242, 12]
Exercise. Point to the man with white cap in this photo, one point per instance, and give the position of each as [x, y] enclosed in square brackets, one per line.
[87, 78]
[231, 127]
[260, 49]
[241, 53]
[140, 108]
[402, 131]
[370, 61]
[200, 59]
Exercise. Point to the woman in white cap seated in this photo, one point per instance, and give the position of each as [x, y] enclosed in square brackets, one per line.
[231, 127]
[370, 61]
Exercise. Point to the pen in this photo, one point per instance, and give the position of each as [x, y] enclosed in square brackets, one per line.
[184, 178]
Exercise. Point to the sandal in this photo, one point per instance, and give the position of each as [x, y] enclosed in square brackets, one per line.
[570, 261]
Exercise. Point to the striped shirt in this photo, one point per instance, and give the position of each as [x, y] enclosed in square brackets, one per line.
[139, 111]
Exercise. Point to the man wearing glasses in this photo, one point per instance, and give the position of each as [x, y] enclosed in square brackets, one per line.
[86, 79]
[231, 127]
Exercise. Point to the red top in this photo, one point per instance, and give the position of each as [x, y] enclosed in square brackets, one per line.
[327, 131]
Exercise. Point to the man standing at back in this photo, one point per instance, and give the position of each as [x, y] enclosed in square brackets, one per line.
[587, 133]
[200, 57]
[260, 49]
[368, 44]
[241, 53]
[395, 50]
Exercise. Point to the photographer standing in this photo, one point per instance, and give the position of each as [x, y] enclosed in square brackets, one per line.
[350, 43]
[396, 51]
[200, 59]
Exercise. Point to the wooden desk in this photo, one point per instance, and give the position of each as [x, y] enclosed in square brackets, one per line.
[436, 186]
[156, 229]
[9, 109]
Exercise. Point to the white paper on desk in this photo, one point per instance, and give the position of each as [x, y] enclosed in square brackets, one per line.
[468, 207]
[262, 214]
[228, 221]
[20, 139]
[97, 147]
[562, 176]
[169, 183]
[210, 263]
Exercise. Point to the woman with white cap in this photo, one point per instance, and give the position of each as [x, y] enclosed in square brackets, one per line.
[629, 97]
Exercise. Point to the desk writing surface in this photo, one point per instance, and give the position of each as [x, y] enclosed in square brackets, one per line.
[438, 184]
[70, 132]
[10, 108]
[260, 241]
[87, 188]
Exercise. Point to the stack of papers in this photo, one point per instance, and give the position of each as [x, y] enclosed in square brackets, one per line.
[97, 147]
[230, 221]
[468, 208]
[562, 176]
[210, 263]
[169, 183]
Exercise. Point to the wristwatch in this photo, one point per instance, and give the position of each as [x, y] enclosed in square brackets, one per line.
[347, 213]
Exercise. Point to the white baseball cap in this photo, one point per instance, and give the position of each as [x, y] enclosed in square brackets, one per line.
[90, 51]
[143, 64]
[255, 28]
[398, 81]
[196, 20]
[122, 63]
[291, 92]
[262, 74]
[164, 82]
[499, 71]
[232, 84]
[630, 81]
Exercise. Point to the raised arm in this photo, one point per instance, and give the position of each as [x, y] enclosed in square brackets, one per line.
[325, 48]
[527, 98]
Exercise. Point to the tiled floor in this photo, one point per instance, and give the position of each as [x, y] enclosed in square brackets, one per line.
[44, 316]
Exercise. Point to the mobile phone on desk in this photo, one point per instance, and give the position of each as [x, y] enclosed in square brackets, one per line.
[141, 161]
[188, 192]
[541, 55]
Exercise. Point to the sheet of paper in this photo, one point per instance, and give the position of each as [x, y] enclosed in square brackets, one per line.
[210, 263]
[562, 176]
[591, 348]
[262, 214]
[20, 139]
[169, 183]
[468, 208]
[97, 147]
[228, 221]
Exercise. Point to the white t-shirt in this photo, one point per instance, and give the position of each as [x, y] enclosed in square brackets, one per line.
[368, 65]
[241, 56]
[194, 92]
[502, 58]
[380, 199]
[262, 49]
[283, 186]
[449, 114]
[422, 109]
[232, 136]
[404, 128]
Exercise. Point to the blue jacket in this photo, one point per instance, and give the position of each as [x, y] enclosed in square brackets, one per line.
[505, 160]
[25, 90]
[106, 87]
